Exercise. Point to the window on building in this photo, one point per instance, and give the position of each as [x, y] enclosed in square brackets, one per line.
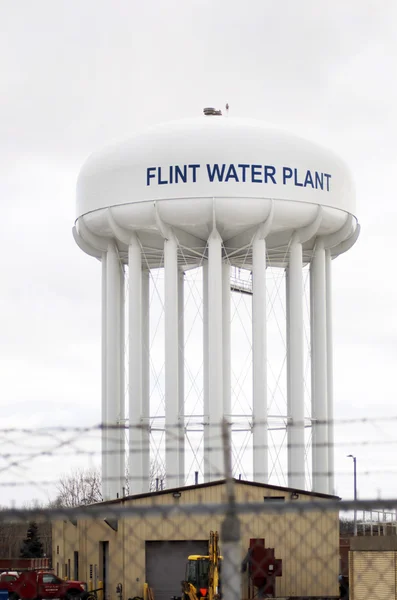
[274, 498]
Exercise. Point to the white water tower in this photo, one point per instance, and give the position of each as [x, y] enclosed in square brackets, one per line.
[214, 193]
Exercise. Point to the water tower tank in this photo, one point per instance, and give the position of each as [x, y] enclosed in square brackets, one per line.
[214, 193]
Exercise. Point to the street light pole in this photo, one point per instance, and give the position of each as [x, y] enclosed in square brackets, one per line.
[355, 489]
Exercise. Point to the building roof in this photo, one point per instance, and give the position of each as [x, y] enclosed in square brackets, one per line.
[199, 486]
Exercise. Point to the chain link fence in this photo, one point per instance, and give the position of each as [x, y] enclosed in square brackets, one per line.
[231, 538]
[272, 543]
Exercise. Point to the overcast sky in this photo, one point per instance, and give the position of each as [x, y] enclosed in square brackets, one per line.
[77, 75]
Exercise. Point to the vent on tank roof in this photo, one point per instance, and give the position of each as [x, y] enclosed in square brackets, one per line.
[212, 112]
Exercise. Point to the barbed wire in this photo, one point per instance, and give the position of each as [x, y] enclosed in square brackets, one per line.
[100, 426]
[103, 510]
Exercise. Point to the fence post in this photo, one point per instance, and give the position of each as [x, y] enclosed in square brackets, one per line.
[230, 528]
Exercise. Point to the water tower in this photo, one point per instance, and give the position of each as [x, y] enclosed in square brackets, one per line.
[213, 193]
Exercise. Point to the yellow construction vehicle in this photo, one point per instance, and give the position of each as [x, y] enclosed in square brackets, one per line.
[203, 573]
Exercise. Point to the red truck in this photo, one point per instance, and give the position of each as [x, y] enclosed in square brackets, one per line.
[41, 585]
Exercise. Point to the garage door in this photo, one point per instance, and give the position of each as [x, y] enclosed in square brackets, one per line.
[166, 564]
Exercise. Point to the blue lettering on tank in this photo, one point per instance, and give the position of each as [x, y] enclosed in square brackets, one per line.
[242, 172]
[194, 169]
[160, 181]
[215, 172]
[319, 180]
[231, 173]
[308, 179]
[180, 174]
[287, 174]
[256, 171]
[270, 173]
[150, 174]
[243, 168]
[296, 179]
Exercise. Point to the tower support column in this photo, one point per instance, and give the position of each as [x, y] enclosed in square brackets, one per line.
[171, 315]
[104, 415]
[295, 368]
[215, 355]
[319, 369]
[227, 353]
[206, 400]
[136, 463]
[259, 361]
[181, 373]
[122, 422]
[146, 468]
[330, 372]
[115, 429]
